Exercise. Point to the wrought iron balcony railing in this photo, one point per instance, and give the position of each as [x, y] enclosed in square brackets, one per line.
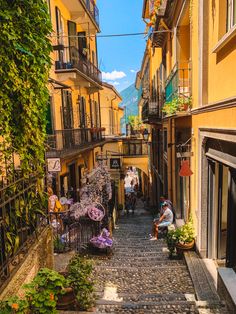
[75, 59]
[93, 10]
[68, 140]
[151, 111]
[178, 84]
[134, 147]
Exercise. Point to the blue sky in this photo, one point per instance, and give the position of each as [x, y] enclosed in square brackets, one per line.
[120, 54]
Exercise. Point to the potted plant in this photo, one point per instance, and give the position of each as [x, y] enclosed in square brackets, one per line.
[181, 239]
[79, 278]
[43, 292]
[177, 104]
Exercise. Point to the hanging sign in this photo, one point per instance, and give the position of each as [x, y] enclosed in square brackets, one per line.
[115, 163]
[54, 164]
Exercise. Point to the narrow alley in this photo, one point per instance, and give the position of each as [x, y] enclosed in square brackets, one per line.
[140, 278]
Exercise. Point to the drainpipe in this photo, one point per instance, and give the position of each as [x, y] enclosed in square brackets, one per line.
[112, 113]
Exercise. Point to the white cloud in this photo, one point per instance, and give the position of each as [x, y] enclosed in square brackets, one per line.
[114, 83]
[114, 75]
[133, 71]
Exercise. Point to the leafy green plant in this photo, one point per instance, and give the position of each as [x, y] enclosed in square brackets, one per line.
[182, 235]
[177, 104]
[79, 278]
[59, 246]
[14, 305]
[25, 62]
[42, 293]
[135, 122]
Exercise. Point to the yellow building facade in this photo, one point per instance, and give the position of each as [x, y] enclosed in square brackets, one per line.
[111, 113]
[193, 86]
[74, 128]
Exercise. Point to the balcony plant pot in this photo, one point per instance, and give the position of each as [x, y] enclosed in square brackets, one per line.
[58, 65]
[94, 130]
[181, 248]
[67, 300]
[69, 65]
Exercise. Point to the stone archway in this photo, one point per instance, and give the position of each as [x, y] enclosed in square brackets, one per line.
[138, 162]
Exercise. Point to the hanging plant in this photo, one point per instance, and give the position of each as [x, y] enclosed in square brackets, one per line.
[153, 15]
[24, 68]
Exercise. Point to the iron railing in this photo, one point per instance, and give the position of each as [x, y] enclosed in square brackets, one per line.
[151, 110]
[178, 83]
[70, 139]
[70, 234]
[21, 219]
[93, 10]
[75, 59]
[135, 147]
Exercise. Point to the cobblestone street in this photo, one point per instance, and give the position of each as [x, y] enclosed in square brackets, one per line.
[140, 278]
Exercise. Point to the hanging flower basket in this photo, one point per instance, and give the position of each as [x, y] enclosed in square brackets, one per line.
[95, 213]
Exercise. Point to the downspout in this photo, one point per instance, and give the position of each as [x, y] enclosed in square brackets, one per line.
[112, 113]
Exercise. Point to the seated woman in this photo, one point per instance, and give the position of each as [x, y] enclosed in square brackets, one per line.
[165, 220]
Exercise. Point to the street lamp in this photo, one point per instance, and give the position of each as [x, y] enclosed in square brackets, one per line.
[145, 135]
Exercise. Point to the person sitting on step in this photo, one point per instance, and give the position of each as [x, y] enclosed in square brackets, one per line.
[165, 220]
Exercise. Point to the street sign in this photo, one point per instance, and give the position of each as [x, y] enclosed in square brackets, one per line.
[54, 164]
[115, 163]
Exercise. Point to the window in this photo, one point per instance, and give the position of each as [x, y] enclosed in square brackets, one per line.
[67, 109]
[231, 14]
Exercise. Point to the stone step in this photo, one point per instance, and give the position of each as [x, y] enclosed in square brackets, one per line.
[177, 307]
[141, 267]
[154, 297]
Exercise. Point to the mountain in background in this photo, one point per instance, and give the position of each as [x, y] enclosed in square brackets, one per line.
[130, 101]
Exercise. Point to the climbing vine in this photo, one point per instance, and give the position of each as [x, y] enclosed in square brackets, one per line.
[24, 68]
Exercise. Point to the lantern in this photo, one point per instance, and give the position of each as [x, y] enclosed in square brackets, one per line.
[185, 170]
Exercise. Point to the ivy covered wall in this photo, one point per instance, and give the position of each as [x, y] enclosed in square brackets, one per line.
[24, 68]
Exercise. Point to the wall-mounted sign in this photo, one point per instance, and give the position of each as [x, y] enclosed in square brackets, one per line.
[54, 164]
[115, 163]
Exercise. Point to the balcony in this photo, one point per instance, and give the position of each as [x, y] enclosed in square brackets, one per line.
[134, 147]
[151, 112]
[66, 142]
[93, 10]
[84, 11]
[178, 91]
[75, 60]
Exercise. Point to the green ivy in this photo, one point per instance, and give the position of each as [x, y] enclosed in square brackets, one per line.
[24, 68]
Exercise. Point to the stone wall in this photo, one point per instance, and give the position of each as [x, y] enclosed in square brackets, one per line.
[40, 255]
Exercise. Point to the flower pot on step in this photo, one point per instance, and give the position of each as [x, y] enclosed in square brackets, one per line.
[181, 248]
[67, 300]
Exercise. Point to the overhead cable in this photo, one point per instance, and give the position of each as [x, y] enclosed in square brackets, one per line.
[112, 35]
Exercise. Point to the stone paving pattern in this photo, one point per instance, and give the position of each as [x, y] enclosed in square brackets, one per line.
[140, 278]
[143, 278]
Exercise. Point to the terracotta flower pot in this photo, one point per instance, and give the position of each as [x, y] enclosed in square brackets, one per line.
[185, 246]
[67, 300]
[181, 248]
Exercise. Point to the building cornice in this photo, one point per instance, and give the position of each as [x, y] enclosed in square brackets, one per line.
[219, 105]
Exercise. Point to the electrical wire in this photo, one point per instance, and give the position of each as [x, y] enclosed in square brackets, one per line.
[111, 35]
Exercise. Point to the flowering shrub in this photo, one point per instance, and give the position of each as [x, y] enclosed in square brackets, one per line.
[182, 235]
[14, 305]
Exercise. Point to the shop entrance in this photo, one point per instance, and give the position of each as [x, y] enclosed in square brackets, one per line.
[221, 205]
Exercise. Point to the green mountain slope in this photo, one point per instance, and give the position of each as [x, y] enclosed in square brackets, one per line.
[130, 101]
